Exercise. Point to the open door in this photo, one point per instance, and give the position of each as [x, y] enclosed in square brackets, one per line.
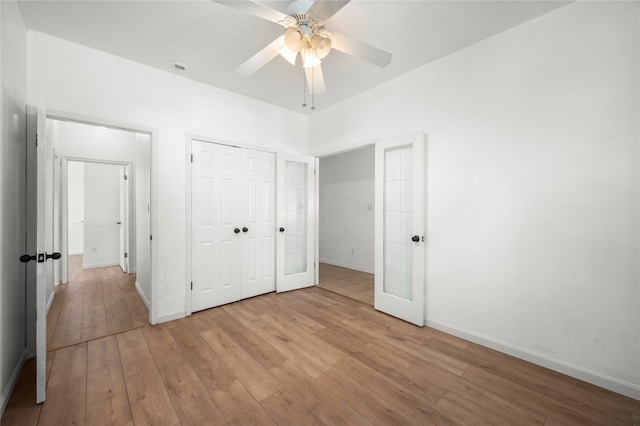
[295, 222]
[123, 221]
[39, 236]
[399, 228]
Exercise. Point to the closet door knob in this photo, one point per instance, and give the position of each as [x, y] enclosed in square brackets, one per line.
[236, 231]
[415, 238]
[245, 229]
[281, 229]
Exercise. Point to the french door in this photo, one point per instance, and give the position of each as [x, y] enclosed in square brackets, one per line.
[399, 228]
[296, 224]
[233, 229]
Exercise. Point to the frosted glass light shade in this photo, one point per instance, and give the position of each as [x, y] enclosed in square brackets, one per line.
[294, 39]
[310, 60]
[321, 46]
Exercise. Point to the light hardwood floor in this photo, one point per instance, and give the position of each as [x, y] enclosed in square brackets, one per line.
[347, 282]
[95, 303]
[303, 357]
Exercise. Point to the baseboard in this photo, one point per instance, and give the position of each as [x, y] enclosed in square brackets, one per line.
[171, 317]
[142, 295]
[50, 301]
[11, 384]
[99, 265]
[348, 266]
[611, 383]
[74, 253]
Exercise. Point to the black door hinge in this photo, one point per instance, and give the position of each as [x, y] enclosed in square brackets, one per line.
[191, 285]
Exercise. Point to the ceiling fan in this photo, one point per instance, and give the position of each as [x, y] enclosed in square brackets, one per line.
[306, 35]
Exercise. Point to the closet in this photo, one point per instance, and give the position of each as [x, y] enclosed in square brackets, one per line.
[232, 224]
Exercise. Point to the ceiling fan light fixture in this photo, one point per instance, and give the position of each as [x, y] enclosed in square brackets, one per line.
[294, 39]
[289, 55]
[321, 46]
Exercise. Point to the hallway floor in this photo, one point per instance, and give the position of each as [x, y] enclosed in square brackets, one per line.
[347, 282]
[95, 303]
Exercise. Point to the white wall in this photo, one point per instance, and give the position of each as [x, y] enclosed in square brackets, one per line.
[101, 214]
[12, 199]
[87, 82]
[346, 209]
[75, 212]
[532, 186]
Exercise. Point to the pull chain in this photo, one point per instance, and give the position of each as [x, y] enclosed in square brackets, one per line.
[304, 89]
[313, 88]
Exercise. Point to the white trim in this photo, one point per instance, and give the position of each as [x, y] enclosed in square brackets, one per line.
[348, 266]
[142, 295]
[188, 231]
[50, 301]
[99, 265]
[73, 253]
[171, 316]
[11, 384]
[611, 383]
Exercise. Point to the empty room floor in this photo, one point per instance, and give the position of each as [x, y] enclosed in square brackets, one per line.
[95, 303]
[303, 357]
[347, 282]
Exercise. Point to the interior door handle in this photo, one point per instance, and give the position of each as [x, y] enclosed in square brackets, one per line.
[27, 258]
[118, 223]
[55, 255]
[281, 229]
[245, 229]
[415, 239]
[236, 231]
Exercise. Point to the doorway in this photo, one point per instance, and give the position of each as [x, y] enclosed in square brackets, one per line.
[346, 223]
[97, 215]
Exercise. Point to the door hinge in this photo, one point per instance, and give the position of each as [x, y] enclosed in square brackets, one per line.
[191, 285]
[150, 237]
[125, 177]
[126, 255]
[192, 158]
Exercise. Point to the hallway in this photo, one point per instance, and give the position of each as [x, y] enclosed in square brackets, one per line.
[95, 303]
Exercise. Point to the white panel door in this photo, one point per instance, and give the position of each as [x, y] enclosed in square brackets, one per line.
[40, 199]
[216, 225]
[123, 220]
[399, 228]
[296, 222]
[258, 222]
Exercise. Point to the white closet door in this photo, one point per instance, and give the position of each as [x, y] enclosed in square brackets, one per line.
[258, 222]
[216, 225]
[399, 229]
[296, 212]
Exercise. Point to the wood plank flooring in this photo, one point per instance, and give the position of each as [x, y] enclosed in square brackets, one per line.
[303, 357]
[347, 282]
[95, 303]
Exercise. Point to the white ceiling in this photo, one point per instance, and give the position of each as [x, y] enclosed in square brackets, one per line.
[213, 39]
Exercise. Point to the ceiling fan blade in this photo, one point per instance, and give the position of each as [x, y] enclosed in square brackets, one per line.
[315, 80]
[261, 58]
[326, 9]
[360, 50]
[255, 9]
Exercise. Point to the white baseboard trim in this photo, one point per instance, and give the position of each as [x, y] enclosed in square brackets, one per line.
[346, 265]
[74, 253]
[99, 265]
[171, 317]
[50, 301]
[11, 384]
[611, 383]
[142, 296]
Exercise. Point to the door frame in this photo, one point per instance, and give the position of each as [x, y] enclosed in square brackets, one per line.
[362, 144]
[153, 183]
[64, 206]
[190, 137]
